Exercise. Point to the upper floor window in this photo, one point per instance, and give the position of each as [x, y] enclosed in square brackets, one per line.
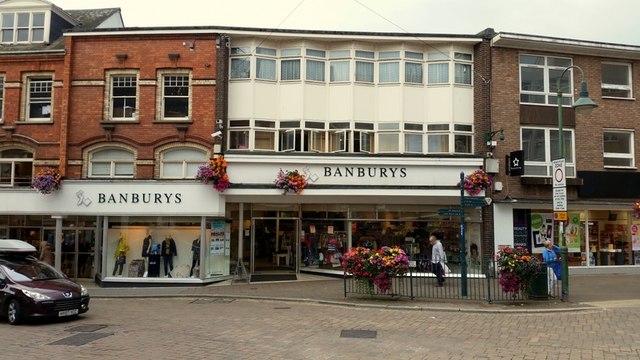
[364, 67]
[463, 139]
[315, 68]
[16, 167]
[539, 79]
[123, 97]
[1, 96]
[39, 95]
[265, 63]
[22, 27]
[175, 96]
[111, 163]
[463, 68]
[290, 65]
[618, 148]
[540, 147]
[181, 163]
[616, 80]
[388, 71]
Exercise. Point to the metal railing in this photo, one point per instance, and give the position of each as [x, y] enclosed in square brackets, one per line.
[482, 284]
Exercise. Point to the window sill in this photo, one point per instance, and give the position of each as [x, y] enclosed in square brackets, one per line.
[631, 168]
[34, 122]
[172, 121]
[133, 121]
[618, 98]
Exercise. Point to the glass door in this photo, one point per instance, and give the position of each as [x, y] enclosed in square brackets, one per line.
[77, 256]
[274, 245]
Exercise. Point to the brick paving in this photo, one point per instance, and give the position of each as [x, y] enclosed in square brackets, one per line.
[305, 320]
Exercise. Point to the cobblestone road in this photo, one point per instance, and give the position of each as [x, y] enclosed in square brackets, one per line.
[218, 328]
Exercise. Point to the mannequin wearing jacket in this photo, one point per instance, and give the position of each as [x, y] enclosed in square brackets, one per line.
[168, 252]
[121, 254]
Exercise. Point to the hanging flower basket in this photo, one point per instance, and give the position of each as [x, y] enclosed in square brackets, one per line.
[215, 172]
[47, 181]
[516, 268]
[290, 180]
[476, 181]
[636, 209]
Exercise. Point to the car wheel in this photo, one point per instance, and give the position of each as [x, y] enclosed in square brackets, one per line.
[14, 312]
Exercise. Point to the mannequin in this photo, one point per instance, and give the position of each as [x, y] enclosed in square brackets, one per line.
[168, 252]
[145, 245]
[46, 254]
[195, 261]
[121, 254]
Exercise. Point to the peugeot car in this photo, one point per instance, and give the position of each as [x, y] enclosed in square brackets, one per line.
[30, 288]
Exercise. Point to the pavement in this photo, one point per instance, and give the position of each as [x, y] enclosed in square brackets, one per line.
[586, 292]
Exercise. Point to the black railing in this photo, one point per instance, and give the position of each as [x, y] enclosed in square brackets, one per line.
[482, 284]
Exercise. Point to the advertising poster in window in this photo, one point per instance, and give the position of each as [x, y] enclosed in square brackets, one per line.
[541, 230]
[635, 235]
[217, 238]
[573, 232]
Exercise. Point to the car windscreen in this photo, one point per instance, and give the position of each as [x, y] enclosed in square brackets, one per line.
[23, 269]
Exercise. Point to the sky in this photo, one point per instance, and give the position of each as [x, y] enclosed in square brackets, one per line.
[610, 21]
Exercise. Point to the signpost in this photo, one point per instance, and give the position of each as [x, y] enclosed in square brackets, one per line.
[449, 212]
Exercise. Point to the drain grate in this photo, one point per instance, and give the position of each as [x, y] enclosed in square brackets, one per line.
[359, 334]
[80, 339]
[87, 328]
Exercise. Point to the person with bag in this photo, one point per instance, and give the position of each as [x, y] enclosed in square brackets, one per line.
[437, 259]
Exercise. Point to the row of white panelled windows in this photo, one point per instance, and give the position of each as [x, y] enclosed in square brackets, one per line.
[22, 27]
[176, 163]
[539, 80]
[123, 97]
[313, 136]
[16, 165]
[351, 66]
[124, 93]
[540, 147]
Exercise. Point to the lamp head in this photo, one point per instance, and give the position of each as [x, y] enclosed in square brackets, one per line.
[216, 134]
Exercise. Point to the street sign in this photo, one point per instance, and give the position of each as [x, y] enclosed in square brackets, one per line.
[559, 199]
[559, 179]
[560, 216]
[474, 201]
[449, 212]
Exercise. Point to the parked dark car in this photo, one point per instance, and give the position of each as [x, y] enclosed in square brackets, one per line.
[30, 288]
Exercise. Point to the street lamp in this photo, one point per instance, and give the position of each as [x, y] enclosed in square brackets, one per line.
[584, 102]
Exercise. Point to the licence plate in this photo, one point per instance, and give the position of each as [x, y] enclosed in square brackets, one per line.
[68, 312]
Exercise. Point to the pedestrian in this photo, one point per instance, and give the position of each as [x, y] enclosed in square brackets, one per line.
[551, 257]
[437, 259]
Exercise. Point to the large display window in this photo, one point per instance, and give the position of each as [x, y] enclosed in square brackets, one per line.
[166, 247]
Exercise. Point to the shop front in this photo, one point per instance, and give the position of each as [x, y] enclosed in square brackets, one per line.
[125, 232]
[346, 203]
[598, 237]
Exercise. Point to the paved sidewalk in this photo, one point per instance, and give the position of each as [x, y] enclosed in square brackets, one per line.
[585, 292]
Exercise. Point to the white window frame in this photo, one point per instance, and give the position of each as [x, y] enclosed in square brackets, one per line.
[240, 55]
[13, 163]
[629, 156]
[112, 163]
[39, 83]
[1, 99]
[267, 56]
[188, 162]
[239, 135]
[463, 68]
[30, 28]
[288, 140]
[549, 91]
[628, 88]
[130, 109]
[163, 77]
[547, 165]
[268, 132]
[366, 145]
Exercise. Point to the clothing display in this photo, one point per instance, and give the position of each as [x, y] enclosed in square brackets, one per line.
[120, 255]
[168, 251]
[195, 260]
[146, 243]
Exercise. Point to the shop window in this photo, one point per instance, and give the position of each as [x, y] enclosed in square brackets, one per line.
[618, 148]
[181, 163]
[111, 163]
[16, 167]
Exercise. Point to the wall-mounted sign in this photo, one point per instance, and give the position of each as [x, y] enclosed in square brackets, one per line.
[516, 163]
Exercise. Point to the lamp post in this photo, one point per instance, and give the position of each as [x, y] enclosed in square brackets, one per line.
[584, 102]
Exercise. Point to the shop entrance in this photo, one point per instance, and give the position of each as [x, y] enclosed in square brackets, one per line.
[77, 251]
[274, 245]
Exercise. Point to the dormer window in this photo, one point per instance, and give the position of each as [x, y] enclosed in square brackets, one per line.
[22, 27]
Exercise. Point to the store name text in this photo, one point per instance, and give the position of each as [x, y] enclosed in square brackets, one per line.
[140, 198]
[372, 172]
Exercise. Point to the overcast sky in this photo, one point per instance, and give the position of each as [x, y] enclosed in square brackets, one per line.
[612, 21]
